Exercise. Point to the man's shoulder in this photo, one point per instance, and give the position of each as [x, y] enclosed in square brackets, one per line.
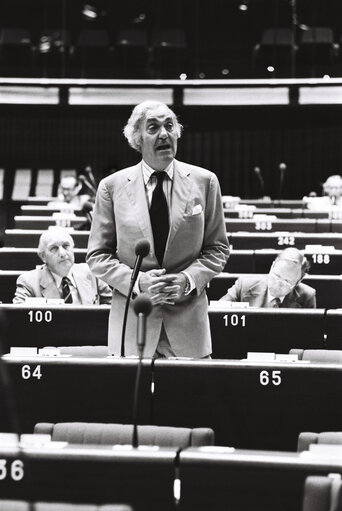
[249, 281]
[304, 289]
[81, 268]
[194, 169]
[32, 275]
[118, 176]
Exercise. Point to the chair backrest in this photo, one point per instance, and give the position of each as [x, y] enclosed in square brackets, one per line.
[172, 38]
[277, 36]
[45, 178]
[317, 35]
[132, 38]
[322, 493]
[327, 437]
[22, 184]
[20, 505]
[323, 356]
[109, 434]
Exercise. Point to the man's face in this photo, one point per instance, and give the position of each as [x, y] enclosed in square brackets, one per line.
[333, 187]
[283, 277]
[58, 254]
[68, 188]
[159, 137]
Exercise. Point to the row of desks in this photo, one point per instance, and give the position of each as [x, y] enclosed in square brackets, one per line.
[28, 238]
[250, 405]
[238, 481]
[232, 224]
[240, 261]
[328, 287]
[234, 332]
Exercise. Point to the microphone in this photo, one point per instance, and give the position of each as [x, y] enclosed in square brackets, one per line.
[142, 249]
[282, 170]
[142, 307]
[87, 209]
[261, 179]
[84, 180]
[91, 177]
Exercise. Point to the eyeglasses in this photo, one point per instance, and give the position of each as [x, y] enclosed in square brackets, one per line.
[285, 283]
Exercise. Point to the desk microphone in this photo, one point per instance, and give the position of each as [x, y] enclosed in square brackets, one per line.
[142, 249]
[84, 180]
[91, 177]
[257, 171]
[282, 170]
[142, 308]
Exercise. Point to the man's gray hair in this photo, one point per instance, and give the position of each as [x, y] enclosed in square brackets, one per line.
[46, 235]
[294, 256]
[132, 130]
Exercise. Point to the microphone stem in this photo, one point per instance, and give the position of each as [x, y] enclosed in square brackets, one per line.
[135, 440]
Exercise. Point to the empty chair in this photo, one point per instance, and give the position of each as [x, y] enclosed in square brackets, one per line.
[316, 50]
[44, 185]
[277, 49]
[53, 49]
[324, 356]
[93, 53]
[131, 53]
[109, 434]
[16, 54]
[21, 505]
[327, 437]
[22, 184]
[169, 48]
[322, 493]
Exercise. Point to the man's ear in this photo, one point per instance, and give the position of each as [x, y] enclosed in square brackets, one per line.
[42, 256]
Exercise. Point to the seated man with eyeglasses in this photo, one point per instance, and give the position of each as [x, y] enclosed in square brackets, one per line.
[282, 286]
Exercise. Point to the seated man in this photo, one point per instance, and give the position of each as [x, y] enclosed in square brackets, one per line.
[282, 287]
[69, 188]
[59, 277]
[332, 191]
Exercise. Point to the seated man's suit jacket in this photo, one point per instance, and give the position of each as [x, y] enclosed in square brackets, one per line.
[40, 283]
[197, 243]
[254, 291]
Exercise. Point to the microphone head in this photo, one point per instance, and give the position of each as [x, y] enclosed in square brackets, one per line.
[282, 166]
[88, 207]
[142, 248]
[81, 178]
[257, 170]
[142, 304]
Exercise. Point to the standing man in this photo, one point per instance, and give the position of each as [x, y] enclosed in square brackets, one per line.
[177, 207]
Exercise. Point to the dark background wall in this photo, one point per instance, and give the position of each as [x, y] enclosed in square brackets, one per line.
[229, 141]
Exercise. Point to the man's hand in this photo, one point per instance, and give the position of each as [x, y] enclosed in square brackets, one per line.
[161, 287]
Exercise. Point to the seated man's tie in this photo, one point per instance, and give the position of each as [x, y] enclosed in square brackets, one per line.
[66, 290]
[159, 214]
[274, 304]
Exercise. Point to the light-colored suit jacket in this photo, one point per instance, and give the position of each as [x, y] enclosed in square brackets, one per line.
[254, 291]
[40, 283]
[197, 243]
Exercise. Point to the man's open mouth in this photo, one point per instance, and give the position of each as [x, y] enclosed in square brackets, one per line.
[163, 147]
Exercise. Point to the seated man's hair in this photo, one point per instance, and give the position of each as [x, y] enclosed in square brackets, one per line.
[295, 256]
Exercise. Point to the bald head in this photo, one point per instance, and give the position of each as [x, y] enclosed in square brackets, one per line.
[286, 272]
[333, 186]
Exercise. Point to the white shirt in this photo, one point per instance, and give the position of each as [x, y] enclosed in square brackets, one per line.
[150, 182]
[73, 288]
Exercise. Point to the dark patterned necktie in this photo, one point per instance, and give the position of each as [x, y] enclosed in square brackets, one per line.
[66, 290]
[159, 215]
[274, 304]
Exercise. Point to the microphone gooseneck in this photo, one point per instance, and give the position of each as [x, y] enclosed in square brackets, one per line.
[142, 249]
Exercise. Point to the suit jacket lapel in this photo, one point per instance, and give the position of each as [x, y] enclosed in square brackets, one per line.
[181, 189]
[84, 286]
[136, 193]
[47, 284]
[291, 300]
